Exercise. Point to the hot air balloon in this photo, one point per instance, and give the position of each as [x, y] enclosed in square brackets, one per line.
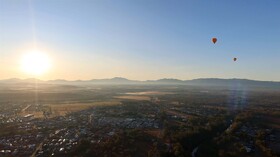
[214, 40]
[234, 59]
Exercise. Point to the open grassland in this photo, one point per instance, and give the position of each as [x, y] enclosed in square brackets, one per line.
[145, 95]
[134, 97]
[63, 109]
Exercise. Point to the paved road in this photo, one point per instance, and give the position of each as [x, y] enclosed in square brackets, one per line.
[38, 148]
[25, 108]
[194, 151]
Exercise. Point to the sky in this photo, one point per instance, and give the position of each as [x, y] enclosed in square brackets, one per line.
[143, 39]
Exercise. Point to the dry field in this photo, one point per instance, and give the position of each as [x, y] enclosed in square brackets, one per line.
[134, 97]
[141, 95]
[149, 93]
[63, 109]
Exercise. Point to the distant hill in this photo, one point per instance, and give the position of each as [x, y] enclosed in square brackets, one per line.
[230, 82]
[165, 81]
[115, 80]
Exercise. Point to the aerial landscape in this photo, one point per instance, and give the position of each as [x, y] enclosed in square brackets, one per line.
[121, 78]
[119, 117]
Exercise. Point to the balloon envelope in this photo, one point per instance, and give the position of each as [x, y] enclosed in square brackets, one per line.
[214, 40]
[234, 59]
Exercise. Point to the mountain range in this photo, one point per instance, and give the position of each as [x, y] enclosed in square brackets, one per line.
[165, 81]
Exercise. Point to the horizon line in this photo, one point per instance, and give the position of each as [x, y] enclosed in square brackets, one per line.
[138, 80]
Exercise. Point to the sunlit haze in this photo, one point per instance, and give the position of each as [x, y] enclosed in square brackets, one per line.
[140, 39]
[140, 78]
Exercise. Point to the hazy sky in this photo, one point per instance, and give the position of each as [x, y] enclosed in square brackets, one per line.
[143, 39]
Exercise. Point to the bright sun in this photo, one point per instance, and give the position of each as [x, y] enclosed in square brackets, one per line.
[35, 63]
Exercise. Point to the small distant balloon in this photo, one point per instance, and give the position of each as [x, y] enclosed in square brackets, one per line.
[214, 40]
[234, 59]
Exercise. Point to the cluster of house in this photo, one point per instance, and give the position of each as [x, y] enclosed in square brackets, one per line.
[59, 142]
[19, 145]
[60, 135]
[9, 113]
[78, 125]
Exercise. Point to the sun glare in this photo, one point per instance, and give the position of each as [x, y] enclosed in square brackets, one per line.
[35, 63]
